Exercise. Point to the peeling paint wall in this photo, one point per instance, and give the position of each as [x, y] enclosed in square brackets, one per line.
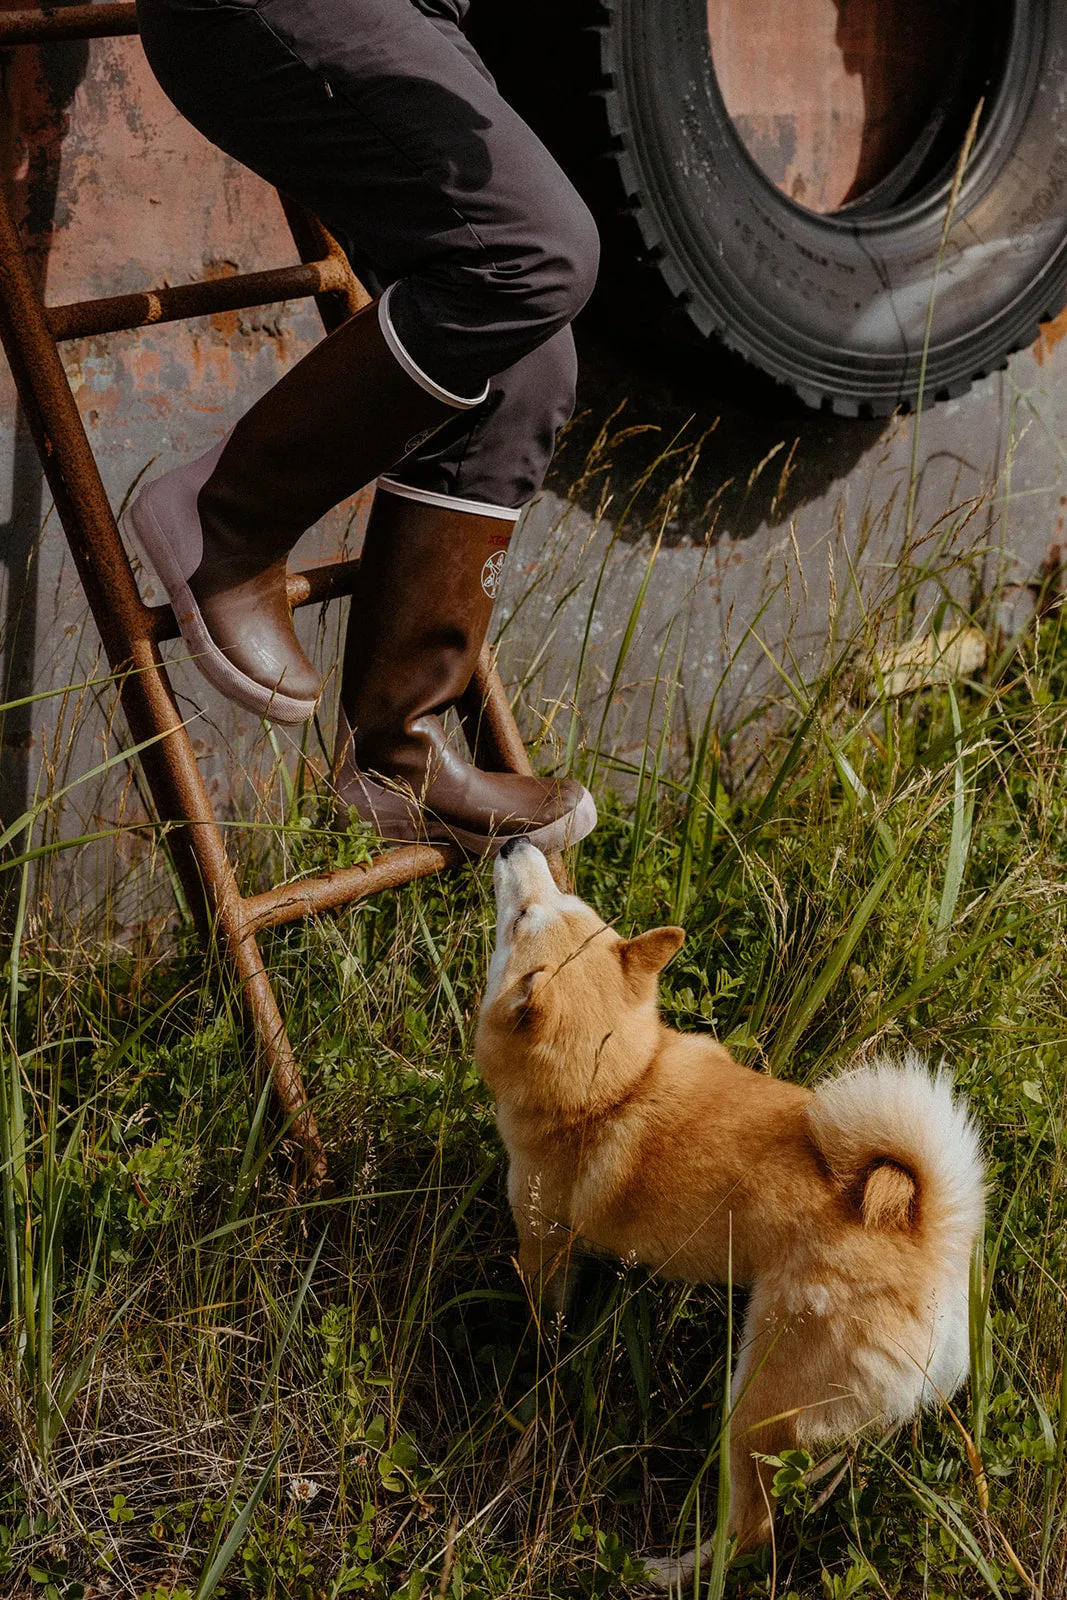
[770, 527]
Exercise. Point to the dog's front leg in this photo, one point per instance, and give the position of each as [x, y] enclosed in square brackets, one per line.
[549, 1274]
[546, 1244]
[548, 1261]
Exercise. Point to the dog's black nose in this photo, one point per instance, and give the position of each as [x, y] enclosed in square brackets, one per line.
[512, 844]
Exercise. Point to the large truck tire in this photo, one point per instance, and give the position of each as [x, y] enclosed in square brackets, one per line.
[778, 175]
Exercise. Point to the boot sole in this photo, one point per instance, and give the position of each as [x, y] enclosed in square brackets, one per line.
[388, 814]
[154, 547]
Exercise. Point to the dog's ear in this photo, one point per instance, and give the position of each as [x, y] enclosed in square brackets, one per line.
[522, 993]
[649, 953]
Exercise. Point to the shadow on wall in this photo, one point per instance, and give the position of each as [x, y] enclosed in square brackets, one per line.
[728, 468]
[36, 87]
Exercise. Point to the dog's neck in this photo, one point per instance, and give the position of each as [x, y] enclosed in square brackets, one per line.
[587, 1121]
[622, 1067]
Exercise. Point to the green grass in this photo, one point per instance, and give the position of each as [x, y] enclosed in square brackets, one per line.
[206, 1388]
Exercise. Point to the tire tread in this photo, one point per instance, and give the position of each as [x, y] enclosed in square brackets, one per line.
[671, 300]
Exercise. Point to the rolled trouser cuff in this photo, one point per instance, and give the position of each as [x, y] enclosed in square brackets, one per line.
[449, 502]
[411, 366]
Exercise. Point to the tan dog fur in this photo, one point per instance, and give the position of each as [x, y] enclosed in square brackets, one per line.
[852, 1212]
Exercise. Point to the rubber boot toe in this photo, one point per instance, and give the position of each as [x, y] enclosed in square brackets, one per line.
[454, 802]
[251, 623]
[233, 614]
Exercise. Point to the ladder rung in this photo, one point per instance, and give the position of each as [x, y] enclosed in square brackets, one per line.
[313, 587]
[82, 318]
[309, 897]
[67, 22]
[317, 584]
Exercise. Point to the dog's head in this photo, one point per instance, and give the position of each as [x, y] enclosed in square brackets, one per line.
[569, 1015]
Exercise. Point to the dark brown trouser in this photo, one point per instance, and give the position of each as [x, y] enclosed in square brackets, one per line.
[379, 116]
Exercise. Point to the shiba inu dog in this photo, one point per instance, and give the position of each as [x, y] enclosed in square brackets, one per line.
[852, 1211]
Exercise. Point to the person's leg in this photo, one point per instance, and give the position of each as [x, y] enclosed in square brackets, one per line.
[218, 532]
[429, 572]
[381, 121]
[477, 468]
[367, 113]
[432, 564]
[500, 453]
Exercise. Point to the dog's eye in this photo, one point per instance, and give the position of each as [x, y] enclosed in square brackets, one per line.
[519, 916]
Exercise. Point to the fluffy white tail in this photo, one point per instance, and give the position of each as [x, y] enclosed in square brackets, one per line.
[894, 1133]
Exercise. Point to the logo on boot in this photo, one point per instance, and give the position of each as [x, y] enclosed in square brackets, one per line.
[491, 573]
[419, 438]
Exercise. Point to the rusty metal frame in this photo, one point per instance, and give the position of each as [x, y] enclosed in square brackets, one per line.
[132, 631]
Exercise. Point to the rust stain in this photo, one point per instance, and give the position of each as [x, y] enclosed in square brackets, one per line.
[1049, 336]
[227, 323]
[828, 96]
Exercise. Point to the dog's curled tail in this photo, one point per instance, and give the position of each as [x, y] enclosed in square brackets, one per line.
[906, 1149]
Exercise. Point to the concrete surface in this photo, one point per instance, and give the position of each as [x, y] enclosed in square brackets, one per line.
[756, 547]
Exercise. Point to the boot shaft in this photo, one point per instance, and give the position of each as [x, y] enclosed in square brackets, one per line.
[349, 410]
[429, 576]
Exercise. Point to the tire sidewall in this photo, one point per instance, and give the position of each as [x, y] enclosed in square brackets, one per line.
[837, 306]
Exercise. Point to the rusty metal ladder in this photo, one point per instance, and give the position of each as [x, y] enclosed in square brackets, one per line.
[132, 631]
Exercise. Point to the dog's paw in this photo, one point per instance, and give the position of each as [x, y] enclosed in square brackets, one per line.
[673, 1573]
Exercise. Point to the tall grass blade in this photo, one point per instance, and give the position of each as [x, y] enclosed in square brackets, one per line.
[215, 1573]
[623, 652]
[962, 818]
[214, 1567]
[1054, 1476]
[950, 211]
[803, 1008]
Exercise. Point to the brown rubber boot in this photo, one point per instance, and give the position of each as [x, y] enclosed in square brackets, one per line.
[218, 532]
[428, 577]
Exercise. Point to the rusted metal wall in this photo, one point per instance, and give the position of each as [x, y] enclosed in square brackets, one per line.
[771, 526]
[873, 72]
